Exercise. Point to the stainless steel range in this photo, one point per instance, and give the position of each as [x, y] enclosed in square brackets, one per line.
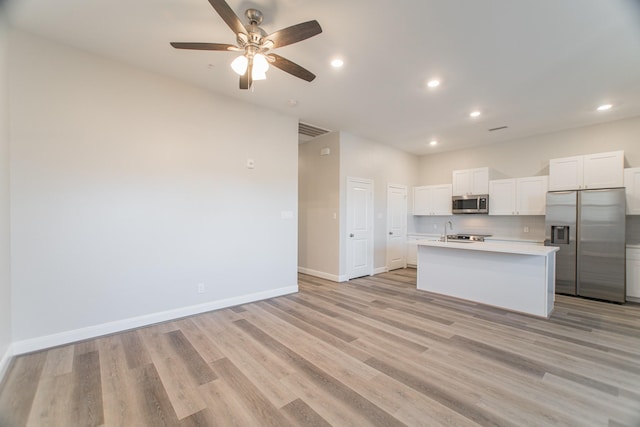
[467, 237]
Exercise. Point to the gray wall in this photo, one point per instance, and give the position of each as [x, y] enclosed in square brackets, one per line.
[5, 282]
[128, 189]
[319, 206]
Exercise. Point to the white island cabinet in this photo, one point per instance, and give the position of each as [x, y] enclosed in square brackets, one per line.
[513, 277]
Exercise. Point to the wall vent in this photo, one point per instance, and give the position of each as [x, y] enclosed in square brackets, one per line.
[498, 128]
[310, 130]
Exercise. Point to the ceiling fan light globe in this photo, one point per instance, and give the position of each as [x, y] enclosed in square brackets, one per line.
[260, 64]
[258, 76]
[239, 65]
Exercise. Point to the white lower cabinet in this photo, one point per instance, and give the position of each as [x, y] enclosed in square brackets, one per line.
[518, 196]
[412, 249]
[633, 273]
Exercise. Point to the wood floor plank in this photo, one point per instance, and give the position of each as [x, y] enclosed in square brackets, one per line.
[302, 414]
[179, 386]
[200, 371]
[87, 408]
[135, 352]
[321, 379]
[50, 402]
[254, 400]
[367, 352]
[19, 388]
[120, 390]
[59, 361]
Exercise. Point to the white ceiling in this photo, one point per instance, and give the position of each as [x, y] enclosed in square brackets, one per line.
[535, 66]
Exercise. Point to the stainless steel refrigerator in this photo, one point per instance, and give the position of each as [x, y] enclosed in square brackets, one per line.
[589, 228]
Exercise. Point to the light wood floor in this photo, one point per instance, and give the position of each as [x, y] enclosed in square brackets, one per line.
[374, 351]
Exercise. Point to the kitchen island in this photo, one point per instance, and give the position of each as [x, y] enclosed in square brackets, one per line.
[511, 276]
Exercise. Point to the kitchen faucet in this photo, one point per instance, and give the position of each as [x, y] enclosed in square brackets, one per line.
[445, 230]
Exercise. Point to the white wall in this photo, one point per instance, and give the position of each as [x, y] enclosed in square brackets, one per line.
[360, 158]
[129, 189]
[319, 207]
[5, 282]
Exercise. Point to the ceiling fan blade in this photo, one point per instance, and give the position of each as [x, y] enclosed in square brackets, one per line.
[203, 46]
[291, 68]
[245, 79]
[228, 15]
[294, 34]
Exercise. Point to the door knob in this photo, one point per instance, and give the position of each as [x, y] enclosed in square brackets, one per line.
[351, 235]
[391, 233]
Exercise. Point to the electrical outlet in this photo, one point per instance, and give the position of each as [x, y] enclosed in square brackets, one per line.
[526, 228]
[201, 288]
[435, 226]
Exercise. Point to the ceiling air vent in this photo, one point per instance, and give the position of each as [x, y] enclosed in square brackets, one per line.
[498, 128]
[310, 130]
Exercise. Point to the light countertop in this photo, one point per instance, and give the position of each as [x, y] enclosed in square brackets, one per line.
[516, 248]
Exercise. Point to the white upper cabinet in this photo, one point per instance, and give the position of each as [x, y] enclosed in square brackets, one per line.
[518, 196]
[632, 184]
[602, 170]
[471, 181]
[432, 200]
[502, 197]
[566, 173]
[532, 195]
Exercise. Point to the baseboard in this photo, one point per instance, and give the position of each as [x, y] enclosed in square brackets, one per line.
[379, 270]
[633, 299]
[40, 343]
[5, 360]
[322, 274]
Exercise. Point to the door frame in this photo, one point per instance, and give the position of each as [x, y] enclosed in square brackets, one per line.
[370, 232]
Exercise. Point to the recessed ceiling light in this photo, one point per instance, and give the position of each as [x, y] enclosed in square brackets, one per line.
[337, 63]
[433, 143]
[604, 107]
[433, 83]
[474, 114]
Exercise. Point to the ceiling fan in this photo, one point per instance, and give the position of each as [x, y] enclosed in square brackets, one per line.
[256, 45]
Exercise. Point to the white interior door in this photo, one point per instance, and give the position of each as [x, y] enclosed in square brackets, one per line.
[396, 227]
[359, 227]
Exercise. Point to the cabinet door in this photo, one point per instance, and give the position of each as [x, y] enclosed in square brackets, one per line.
[566, 173]
[412, 250]
[479, 181]
[461, 182]
[421, 200]
[532, 195]
[502, 197]
[604, 170]
[633, 273]
[441, 199]
[632, 184]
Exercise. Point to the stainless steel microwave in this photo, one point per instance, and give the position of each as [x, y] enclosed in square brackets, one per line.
[478, 204]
